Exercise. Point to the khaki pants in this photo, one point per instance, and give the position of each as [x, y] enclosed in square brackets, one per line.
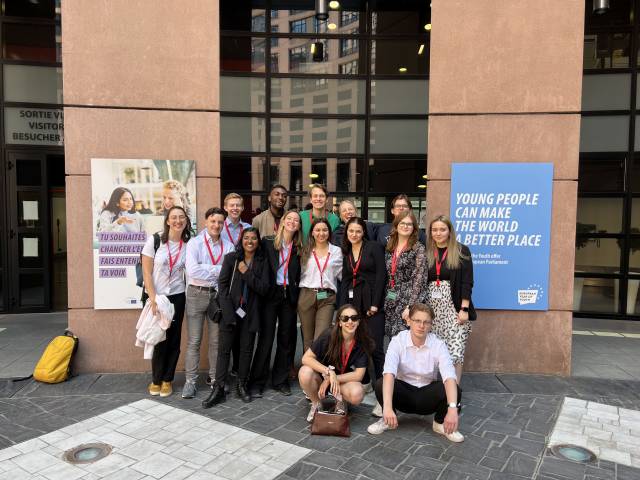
[315, 315]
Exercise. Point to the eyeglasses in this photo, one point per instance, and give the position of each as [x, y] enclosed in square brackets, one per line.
[347, 318]
[401, 206]
[406, 224]
[175, 217]
[422, 323]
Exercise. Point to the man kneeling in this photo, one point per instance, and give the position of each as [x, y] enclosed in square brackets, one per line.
[409, 383]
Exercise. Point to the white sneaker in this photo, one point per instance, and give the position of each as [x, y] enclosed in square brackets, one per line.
[378, 427]
[377, 410]
[312, 412]
[455, 437]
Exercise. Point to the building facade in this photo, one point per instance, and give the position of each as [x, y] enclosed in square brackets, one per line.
[378, 100]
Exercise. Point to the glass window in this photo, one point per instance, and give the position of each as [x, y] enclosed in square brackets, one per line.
[304, 21]
[399, 136]
[606, 50]
[394, 17]
[599, 215]
[29, 42]
[242, 94]
[400, 57]
[606, 92]
[400, 96]
[595, 295]
[240, 15]
[300, 53]
[348, 46]
[32, 9]
[604, 134]
[397, 175]
[338, 174]
[634, 252]
[32, 84]
[34, 126]
[243, 173]
[635, 215]
[242, 134]
[31, 289]
[597, 255]
[601, 173]
[242, 54]
[309, 95]
[343, 136]
[619, 14]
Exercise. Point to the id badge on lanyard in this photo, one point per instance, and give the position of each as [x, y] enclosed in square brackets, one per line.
[436, 293]
[321, 295]
[391, 294]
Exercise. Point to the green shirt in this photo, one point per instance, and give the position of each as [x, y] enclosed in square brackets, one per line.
[305, 215]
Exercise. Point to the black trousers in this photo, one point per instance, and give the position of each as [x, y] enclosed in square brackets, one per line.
[425, 400]
[277, 310]
[226, 336]
[376, 330]
[166, 353]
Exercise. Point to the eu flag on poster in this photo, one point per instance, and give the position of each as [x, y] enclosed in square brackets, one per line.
[502, 212]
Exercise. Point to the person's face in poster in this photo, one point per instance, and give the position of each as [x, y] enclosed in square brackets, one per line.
[126, 202]
[170, 198]
[214, 225]
[234, 208]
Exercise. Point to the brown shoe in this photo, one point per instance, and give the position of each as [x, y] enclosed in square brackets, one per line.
[166, 389]
[154, 389]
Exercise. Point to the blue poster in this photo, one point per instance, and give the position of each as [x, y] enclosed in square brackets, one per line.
[502, 212]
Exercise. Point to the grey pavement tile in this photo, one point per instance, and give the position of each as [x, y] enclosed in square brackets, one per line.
[599, 473]
[564, 468]
[325, 460]
[377, 472]
[492, 463]
[521, 464]
[326, 474]
[157, 465]
[472, 469]
[482, 382]
[116, 383]
[384, 456]
[301, 469]
[355, 465]
[627, 473]
[418, 474]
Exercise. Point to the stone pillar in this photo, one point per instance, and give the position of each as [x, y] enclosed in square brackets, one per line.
[505, 86]
[141, 80]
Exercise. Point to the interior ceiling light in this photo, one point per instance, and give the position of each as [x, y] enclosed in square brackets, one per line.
[333, 4]
[332, 26]
[422, 186]
[313, 175]
[601, 7]
[427, 27]
[321, 10]
[402, 69]
[421, 49]
[425, 176]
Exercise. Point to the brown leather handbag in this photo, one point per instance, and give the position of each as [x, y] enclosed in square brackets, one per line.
[332, 424]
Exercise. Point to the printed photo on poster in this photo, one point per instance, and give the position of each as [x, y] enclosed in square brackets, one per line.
[129, 200]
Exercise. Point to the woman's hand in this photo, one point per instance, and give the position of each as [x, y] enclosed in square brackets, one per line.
[154, 305]
[372, 311]
[323, 388]
[123, 220]
[242, 267]
[463, 317]
[335, 384]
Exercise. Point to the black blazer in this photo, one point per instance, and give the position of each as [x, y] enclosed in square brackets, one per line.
[293, 277]
[370, 282]
[462, 283]
[257, 280]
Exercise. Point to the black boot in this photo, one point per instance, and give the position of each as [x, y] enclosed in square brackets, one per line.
[215, 397]
[242, 391]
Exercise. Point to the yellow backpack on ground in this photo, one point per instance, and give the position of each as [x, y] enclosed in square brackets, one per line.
[54, 365]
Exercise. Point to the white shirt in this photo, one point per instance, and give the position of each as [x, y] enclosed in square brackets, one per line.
[167, 281]
[310, 277]
[418, 366]
[200, 269]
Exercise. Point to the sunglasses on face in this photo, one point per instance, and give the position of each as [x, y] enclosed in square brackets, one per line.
[347, 318]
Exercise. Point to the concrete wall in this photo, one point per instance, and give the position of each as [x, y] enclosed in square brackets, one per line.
[505, 86]
[142, 81]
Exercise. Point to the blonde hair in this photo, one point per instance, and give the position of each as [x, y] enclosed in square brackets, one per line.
[393, 235]
[182, 192]
[231, 196]
[454, 249]
[278, 240]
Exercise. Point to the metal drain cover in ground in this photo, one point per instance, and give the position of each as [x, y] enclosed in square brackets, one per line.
[87, 453]
[574, 453]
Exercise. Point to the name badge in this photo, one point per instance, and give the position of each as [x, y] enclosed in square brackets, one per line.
[436, 293]
[321, 295]
[391, 294]
[351, 293]
[240, 312]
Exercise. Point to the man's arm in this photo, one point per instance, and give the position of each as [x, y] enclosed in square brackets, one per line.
[451, 418]
[388, 382]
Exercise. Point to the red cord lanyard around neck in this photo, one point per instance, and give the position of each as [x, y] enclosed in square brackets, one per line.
[285, 263]
[226, 226]
[439, 262]
[345, 358]
[173, 261]
[214, 261]
[311, 215]
[357, 267]
[394, 265]
[321, 270]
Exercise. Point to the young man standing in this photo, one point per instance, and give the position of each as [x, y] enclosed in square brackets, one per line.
[399, 204]
[233, 225]
[204, 262]
[410, 380]
[268, 221]
[318, 195]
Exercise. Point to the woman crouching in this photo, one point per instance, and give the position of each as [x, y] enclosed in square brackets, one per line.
[336, 362]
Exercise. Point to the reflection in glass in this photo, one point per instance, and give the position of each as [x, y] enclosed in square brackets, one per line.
[400, 57]
[619, 13]
[242, 173]
[242, 54]
[296, 135]
[397, 175]
[242, 94]
[400, 96]
[313, 95]
[31, 289]
[240, 15]
[32, 84]
[337, 174]
[601, 174]
[32, 9]
[341, 22]
[597, 255]
[634, 251]
[295, 55]
[242, 134]
[390, 18]
[604, 134]
[28, 173]
[606, 50]
[594, 295]
[29, 42]
[399, 136]
[606, 92]
[599, 215]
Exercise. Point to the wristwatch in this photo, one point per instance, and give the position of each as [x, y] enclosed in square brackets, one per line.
[452, 405]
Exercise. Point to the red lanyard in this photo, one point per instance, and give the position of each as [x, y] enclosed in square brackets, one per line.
[357, 267]
[173, 261]
[311, 215]
[439, 264]
[214, 261]
[345, 358]
[394, 266]
[285, 263]
[226, 226]
[321, 270]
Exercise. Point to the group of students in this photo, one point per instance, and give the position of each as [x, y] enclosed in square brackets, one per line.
[383, 279]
